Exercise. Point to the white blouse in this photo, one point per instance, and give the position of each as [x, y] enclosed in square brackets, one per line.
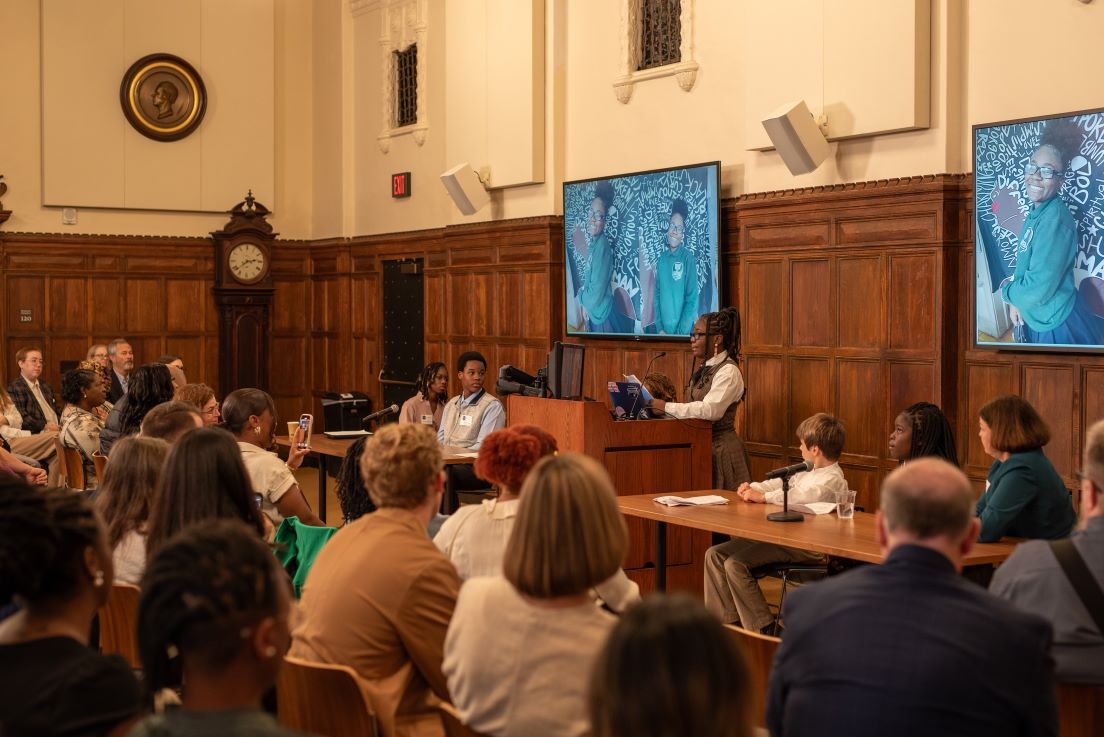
[727, 387]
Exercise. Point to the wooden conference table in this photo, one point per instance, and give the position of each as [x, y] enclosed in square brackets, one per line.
[325, 448]
[826, 533]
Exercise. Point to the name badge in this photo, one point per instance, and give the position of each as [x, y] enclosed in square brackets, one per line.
[427, 419]
[465, 420]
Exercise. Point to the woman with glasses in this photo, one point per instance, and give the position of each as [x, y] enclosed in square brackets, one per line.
[1041, 295]
[716, 387]
[202, 397]
[596, 296]
[676, 284]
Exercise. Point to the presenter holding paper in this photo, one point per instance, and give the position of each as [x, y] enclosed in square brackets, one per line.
[596, 296]
[676, 277]
[715, 389]
[1041, 295]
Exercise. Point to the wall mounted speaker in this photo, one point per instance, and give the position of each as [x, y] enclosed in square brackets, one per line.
[797, 137]
[465, 188]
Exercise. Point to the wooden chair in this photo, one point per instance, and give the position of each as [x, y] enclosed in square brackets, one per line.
[759, 652]
[100, 461]
[119, 623]
[323, 699]
[63, 466]
[74, 469]
[1080, 710]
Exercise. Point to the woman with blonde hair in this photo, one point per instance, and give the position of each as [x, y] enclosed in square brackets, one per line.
[539, 620]
[126, 498]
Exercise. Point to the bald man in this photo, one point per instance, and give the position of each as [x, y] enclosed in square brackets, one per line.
[910, 647]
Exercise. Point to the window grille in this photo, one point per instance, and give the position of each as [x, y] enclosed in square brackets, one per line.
[660, 33]
[406, 86]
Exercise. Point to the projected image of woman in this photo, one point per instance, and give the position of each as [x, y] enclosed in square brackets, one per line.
[596, 296]
[676, 284]
[1041, 294]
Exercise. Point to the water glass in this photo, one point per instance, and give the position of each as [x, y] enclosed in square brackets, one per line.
[845, 504]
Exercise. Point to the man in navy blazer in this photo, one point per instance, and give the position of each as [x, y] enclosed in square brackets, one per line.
[910, 647]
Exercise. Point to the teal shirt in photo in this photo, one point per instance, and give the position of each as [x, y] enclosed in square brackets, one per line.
[597, 294]
[676, 292]
[1042, 286]
[1025, 498]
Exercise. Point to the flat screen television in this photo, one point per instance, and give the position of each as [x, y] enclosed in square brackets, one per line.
[1039, 233]
[641, 252]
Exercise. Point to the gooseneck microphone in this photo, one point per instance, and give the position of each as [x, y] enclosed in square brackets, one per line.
[788, 471]
[393, 409]
[655, 358]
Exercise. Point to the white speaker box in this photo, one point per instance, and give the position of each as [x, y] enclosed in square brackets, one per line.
[797, 137]
[465, 189]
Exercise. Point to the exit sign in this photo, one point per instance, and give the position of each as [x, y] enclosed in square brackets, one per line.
[400, 184]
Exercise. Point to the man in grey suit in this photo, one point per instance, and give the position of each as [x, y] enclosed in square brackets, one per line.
[910, 647]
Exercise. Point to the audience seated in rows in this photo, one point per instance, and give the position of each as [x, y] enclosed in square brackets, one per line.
[213, 622]
[56, 566]
[475, 536]
[670, 668]
[910, 647]
[1024, 495]
[126, 498]
[731, 590]
[380, 595]
[430, 395]
[203, 479]
[98, 353]
[202, 397]
[250, 414]
[520, 646]
[30, 415]
[922, 430]
[83, 391]
[170, 420]
[1034, 581]
[121, 355]
[149, 386]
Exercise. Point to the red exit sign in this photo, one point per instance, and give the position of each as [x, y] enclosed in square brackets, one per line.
[400, 184]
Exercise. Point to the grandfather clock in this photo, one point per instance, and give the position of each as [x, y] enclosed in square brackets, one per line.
[243, 295]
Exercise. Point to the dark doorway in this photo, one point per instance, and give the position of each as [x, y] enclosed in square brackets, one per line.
[403, 329]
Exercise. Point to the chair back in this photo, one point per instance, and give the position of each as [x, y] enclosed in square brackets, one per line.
[323, 699]
[119, 623]
[759, 652]
[1080, 710]
[74, 469]
[100, 461]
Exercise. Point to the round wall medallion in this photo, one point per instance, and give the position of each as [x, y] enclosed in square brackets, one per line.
[163, 97]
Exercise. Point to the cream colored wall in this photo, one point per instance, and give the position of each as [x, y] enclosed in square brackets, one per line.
[21, 134]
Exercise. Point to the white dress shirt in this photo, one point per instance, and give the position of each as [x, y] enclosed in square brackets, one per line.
[818, 485]
[727, 387]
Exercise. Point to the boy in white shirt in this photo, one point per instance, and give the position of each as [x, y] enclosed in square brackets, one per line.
[731, 592]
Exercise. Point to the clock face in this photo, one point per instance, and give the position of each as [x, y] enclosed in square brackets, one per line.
[247, 262]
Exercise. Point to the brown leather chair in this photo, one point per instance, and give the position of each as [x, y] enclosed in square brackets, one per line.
[1080, 710]
[759, 652]
[119, 623]
[323, 699]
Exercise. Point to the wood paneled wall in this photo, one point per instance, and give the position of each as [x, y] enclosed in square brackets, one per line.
[82, 290]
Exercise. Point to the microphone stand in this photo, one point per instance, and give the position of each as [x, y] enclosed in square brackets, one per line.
[786, 515]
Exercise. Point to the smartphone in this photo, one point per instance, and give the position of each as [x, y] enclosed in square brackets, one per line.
[306, 422]
[258, 500]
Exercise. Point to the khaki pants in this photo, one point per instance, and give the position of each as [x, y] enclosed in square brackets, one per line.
[41, 448]
[731, 592]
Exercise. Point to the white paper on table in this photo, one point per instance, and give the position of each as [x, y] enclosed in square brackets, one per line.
[631, 378]
[691, 501]
[467, 454]
[814, 507]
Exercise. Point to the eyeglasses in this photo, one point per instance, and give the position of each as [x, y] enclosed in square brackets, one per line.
[33, 361]
[697, 335]
[1045, 172]
[678, 229]
[212, 410]
[595, 215]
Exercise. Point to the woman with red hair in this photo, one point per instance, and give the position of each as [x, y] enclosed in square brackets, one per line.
[475, 537]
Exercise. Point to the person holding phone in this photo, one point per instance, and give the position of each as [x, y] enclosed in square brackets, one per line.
[250, 414]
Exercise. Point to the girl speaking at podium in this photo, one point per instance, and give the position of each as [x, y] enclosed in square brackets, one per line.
[715, 389]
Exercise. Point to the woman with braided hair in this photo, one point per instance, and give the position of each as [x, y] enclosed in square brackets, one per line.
[427, 405]
[55, 565]
[213, 620]
[715, 389]
[922, 430]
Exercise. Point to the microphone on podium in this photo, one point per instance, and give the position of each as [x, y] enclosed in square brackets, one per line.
[790, 470]
[393, 409]
[644, 414]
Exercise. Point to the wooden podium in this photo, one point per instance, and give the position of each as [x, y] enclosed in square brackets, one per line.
[643, 457]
